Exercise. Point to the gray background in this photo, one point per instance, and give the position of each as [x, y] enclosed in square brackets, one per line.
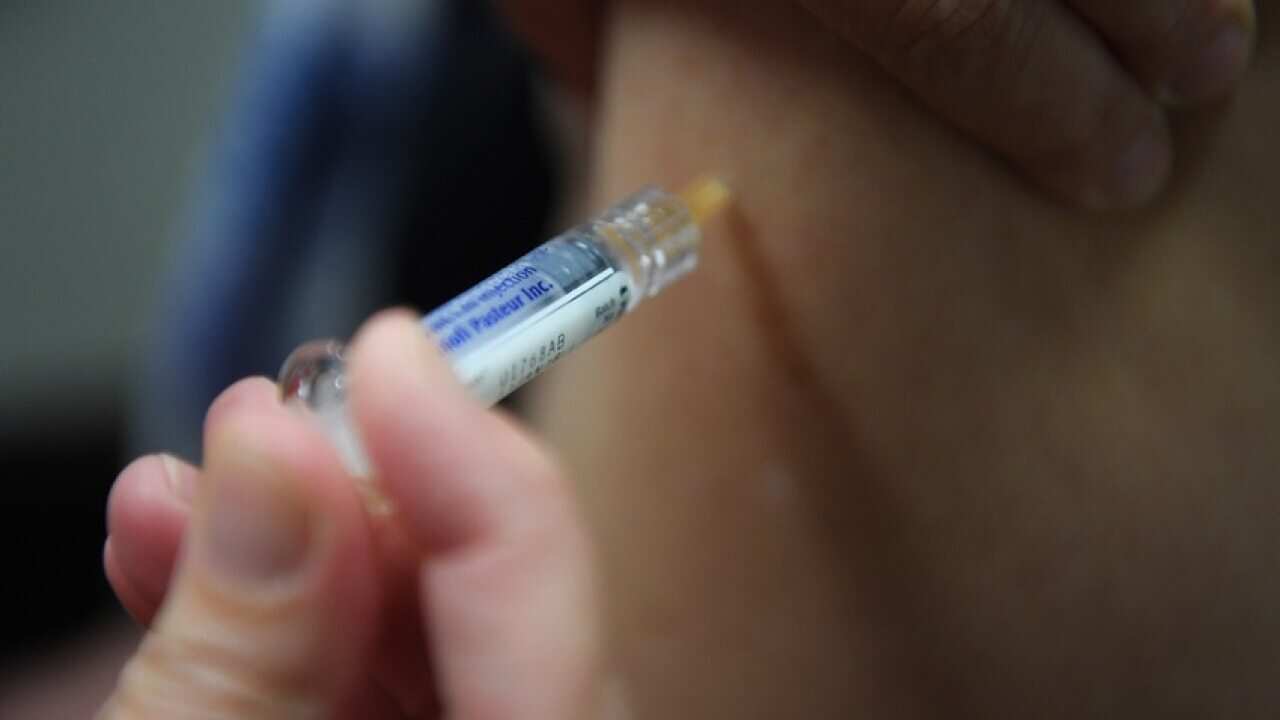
[106, 112]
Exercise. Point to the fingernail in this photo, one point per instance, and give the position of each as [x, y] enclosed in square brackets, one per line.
[181, 483]
[1141, 171]
[1215, 66]
[258, 526]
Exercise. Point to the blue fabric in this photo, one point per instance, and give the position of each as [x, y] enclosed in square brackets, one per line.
[394, 120]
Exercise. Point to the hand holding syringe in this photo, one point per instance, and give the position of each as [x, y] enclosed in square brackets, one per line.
[514, 325]
[307, 584]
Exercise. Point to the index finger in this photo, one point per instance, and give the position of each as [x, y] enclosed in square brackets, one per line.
[506, 582]
[1028, 78]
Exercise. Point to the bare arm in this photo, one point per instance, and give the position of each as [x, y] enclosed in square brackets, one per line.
[915, 439]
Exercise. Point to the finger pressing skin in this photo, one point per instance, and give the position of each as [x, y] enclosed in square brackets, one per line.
[1028, 78]
[1187, 51]
[273, 605]
[506, 578]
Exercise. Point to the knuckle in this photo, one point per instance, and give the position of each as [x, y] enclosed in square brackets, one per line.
[182, 676]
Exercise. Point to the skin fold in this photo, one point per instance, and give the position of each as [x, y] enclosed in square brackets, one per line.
[915, 440]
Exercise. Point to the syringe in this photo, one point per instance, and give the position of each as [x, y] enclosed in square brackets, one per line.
[510, 328]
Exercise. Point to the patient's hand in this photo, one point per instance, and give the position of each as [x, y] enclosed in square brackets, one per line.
[1072, 92]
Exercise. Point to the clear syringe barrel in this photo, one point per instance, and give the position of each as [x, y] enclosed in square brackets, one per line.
[511, 327]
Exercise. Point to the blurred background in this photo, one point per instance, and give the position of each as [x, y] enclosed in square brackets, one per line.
[188, 190]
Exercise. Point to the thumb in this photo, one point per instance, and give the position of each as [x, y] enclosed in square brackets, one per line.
[272, 607]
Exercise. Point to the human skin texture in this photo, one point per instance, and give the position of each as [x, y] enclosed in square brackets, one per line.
[1073, 92]
[915, 440]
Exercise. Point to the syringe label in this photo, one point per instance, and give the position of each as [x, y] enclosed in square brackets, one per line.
[528, 349]
[493, 307]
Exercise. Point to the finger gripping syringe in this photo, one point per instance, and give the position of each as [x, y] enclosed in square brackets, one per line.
[511, 327]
